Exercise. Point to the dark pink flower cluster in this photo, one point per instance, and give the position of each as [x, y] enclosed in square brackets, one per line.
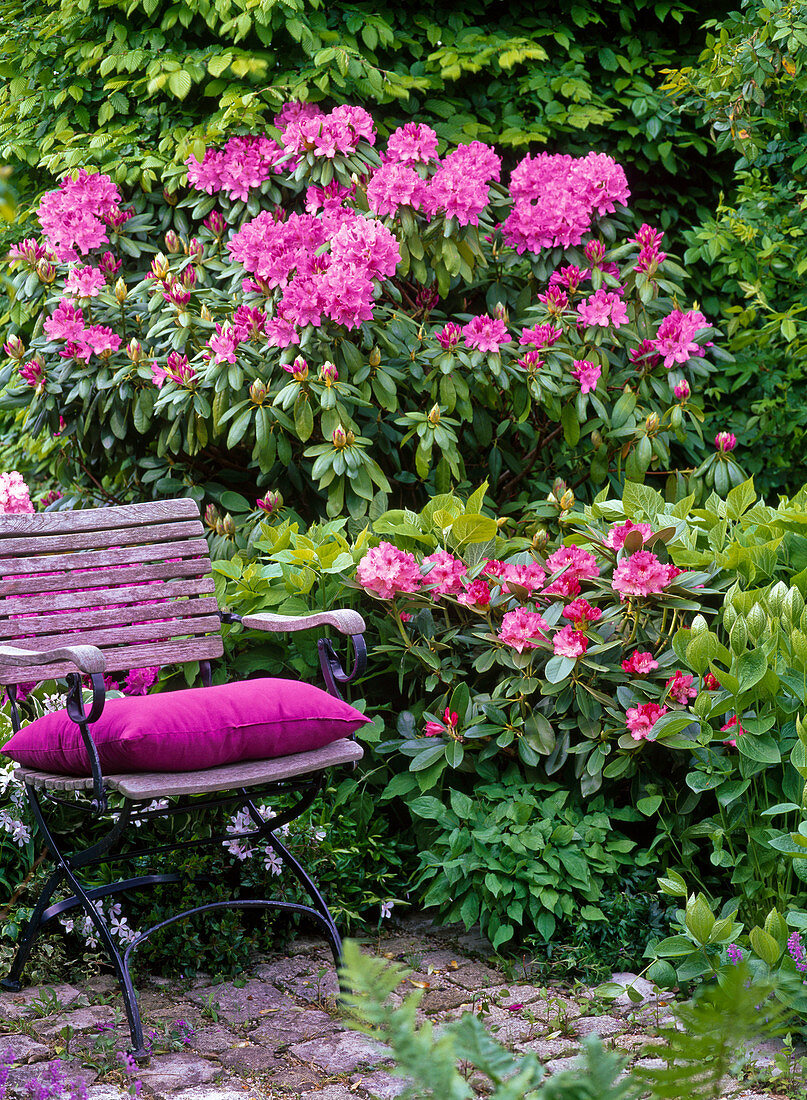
[338, 132]
[459, 188]
[641, 719]
[650, 256]
[242, 164]
[640, 663]
[642, 574]
[388, 571]
[395, 185]
[75, 216]
[675, 339]
[573, 565]
[338, 283]
[412, 143]
[619, 532]
[177, 369]
[540, 336]
[603, 309]
[485, 333]
[555, 197]
[81, 341]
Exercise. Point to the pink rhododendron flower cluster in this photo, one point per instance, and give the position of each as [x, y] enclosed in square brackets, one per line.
[734, 725]
[640, 663]
[445, 574]
[540, 336]
[650, 256]
[569, 277]
[522, 629]
[459, 188]
[641, 719]
[85, 282]
[711, 682]
[587, 374]
[603, 309]
[338, 284]
[485, 333]
[394, 185]
[177, 369]
[75, 217]
[642, 574]
[530, 577]
[576, 564]
[569, 642]
[555, 197]
[619, 532]
[682, 390]
[81, 340]
[581, 613]
[412, 143]
[338, 132]
[29, 252]
[449, 336]
[242, 164]
[388, 571]
[675, 339]
[447, 726]
[679, 687]
[14, 494]
[476, 594]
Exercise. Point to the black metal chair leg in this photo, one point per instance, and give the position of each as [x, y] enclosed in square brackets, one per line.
[11, 983]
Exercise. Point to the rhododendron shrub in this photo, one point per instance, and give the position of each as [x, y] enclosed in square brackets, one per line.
[356, 323]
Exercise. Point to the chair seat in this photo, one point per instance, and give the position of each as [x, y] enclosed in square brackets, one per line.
[142, 786]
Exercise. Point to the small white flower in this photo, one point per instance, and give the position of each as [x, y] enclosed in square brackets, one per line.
[272, 861]
[386, 908]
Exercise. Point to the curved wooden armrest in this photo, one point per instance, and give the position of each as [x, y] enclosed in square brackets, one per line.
[87, 658]
[345, 621]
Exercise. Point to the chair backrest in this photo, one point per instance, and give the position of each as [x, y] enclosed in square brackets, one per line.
[134, 580]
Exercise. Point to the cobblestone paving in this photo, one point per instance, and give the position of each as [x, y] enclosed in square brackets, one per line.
[275, 1032]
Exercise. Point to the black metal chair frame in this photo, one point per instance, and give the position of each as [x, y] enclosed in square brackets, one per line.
[70, 863]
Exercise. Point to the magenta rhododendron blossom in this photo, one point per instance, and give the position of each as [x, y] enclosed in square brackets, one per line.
[641, 719]
[74, 217]
[476, 594]
[645, 356]
[540, 336]
[29, 252]
[530, 576]
[587, 374]
[682, 390]
[640, 663]
[449, 336]
[85, 282]
[711, 682]
[679, 687]
[445, 574]
[570, 277]
[555, 197]
[338, 132]
[66, 322]
[619, 532]
[448, 725]
[581, 613]
[243, 164]
[14, 494]
[642, 574]
[412, 143]
[603, 309]
[485, 333]
[139, 680]
[388, 571]
[522, 629]
[569, 642]
[223, 343]
[675, 339]
[725, 442]
[576, 565]
[459, 188]
[394, 185]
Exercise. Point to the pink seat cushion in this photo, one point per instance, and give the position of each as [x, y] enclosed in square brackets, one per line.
[184, 731]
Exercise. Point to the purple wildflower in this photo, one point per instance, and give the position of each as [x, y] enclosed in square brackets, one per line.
[735, 954]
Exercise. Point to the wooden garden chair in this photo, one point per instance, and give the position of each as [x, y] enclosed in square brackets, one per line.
[113, 589]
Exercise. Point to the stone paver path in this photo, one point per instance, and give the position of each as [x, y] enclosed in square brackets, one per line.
[276, 1032]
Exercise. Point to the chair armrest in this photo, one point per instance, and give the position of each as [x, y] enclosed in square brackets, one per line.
[87, 658]
[345, 621]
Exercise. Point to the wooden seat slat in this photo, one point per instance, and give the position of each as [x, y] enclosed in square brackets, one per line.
[29, 625]
[92, 559]
[14, 546]
[123, 635]
[95, 519]
[124, 658]
[105, 586]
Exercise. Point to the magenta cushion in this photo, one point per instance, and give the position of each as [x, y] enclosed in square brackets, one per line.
[184, 731]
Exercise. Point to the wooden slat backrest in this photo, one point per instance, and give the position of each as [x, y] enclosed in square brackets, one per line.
[134, 580]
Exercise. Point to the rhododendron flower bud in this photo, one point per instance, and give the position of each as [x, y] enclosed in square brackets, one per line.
[195, 249]
[212, 515]
[170, 197]
[228, 526]
[596, 439]
[298, 369]
[328, 373]
[375, 357]
[160, 266]
[725, 442]
[540, 539]
[215, 223]
[121, 291]
[188, 277]
[531, 361]
[682, 390]
[595, 253]
[434, 415]
[270, 503]
[652, 423]
[134, 350]
[205, 313]
[339, 438]
[501, 312]
[50, 497]
[172, 241]
[109, 265]
[14, 348]
[449, 336]
[567, 501]
[28, 251]
[257, 392]
[46, 272]
[33, 372]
